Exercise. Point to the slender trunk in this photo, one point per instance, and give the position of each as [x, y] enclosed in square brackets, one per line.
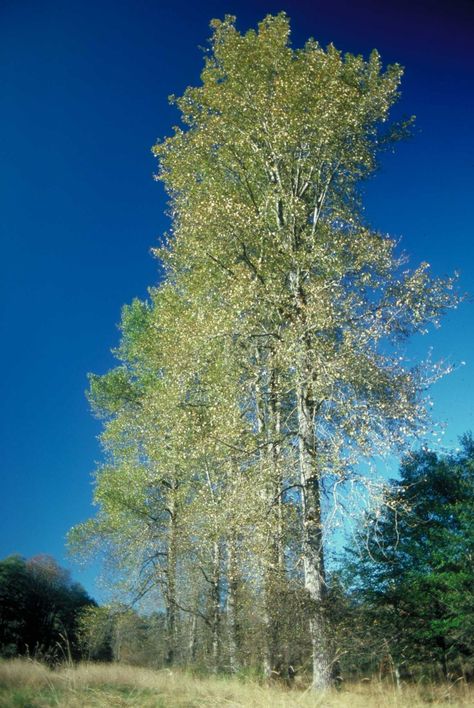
[277, 573]
[396, 674]
[312, 541]
[262, 441]
[277, 482]
[192, 640]
[171, 585]
[215, 605]
[267, 659]
[313, 559]
[232, 580]
[117, 640]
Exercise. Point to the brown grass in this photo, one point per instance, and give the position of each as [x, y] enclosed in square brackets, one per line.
[32, 685]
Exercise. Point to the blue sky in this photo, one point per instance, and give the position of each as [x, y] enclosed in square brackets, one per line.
[84, 89]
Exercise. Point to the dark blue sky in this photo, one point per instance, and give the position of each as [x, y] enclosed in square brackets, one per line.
[83, 97]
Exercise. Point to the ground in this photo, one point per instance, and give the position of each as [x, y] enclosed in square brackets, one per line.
[29, 684]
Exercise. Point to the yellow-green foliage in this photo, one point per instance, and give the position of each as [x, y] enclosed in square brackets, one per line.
[33, 685]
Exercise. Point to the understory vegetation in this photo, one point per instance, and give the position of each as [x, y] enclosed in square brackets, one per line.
[399, 604]
[29, 684]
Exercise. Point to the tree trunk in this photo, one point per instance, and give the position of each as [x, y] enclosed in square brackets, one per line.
[261, 420]
[277, 482]
[171, 586]
[267, 659]
[232, 581]
[215, 605]
[276, 577]
[192, 640]
[313, 558]
[117, 639]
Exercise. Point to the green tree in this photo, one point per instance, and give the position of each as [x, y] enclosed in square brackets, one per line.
[39, 605]
[118, 633]
[414, 583]
[167, 409]
[95, 633]
[268, 365]
[267, 227]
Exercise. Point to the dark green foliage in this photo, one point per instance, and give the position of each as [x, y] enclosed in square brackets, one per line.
[413, 587]
[38, 608]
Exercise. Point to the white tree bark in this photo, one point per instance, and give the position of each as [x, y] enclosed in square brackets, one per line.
[312, 551]
[171, 585]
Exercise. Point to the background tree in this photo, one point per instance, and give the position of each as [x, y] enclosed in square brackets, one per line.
[39, 605]
[95, 630]
[413, 585]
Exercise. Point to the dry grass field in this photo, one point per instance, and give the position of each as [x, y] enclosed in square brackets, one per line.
[28, 684]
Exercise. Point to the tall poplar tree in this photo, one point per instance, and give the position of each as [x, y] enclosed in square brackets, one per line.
[268, 364]
[267, 225]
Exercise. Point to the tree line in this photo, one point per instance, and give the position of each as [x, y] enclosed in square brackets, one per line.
[39, 609]
[267, 371]
[399, 602]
